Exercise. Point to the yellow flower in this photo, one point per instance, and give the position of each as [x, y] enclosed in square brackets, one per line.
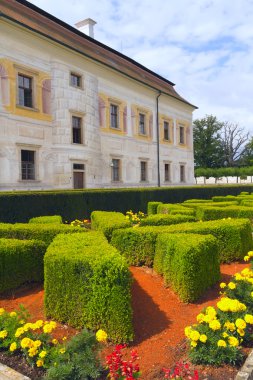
[19, 332]
[187, 331]
[13, 314]
[241, 332]
[39, 363]
[229, 326]
[3, 334]
[250, 253]
[246, 258]
[251, 294]
[240, 324]
[248, 318]
[47, 328]
[222, 285]
[215, 325]
[101, 336]
[37, 343]
[233, 341]
[194, 335]
[232, 285]
[26, 342]
[62, 350]
[203, 338]
[1, 310]
[200, 317]
[54, 341]
[225, 335]
[32, 351]
[64, 338]
[13, 346]
[42, 354]
[221, 343]
[194, 344]
[211, 312]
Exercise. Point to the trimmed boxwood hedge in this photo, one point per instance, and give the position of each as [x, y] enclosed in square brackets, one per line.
[54, 219]
[107, 222]
[226, 198]
[43, 232]
[166, 220]
[138, 244]
[189, 263]
[213, 213]
[87, 283]
[21, 261]
[167, 208]
[152, 207]
[213, 204]
[78, 204]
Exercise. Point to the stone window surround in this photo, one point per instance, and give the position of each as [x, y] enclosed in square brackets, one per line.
[119, 103]
[182, 174]
[81, 115]
[34, 148]
[75, 73]
[116, 157]
[169, 171]
[33, 74]
[144, 159]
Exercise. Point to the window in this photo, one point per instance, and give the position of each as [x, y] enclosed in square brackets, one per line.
[182, 173]
[115, 165]
[76, 130]
[27, 165]
[114, 116]
[142, 124]
[78, 176]
[75, 80]
[25, 92]
[166, 172]
[166, 131]
[181, 135]
[143, 171]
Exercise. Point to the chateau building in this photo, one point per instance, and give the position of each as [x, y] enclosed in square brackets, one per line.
[75, 113]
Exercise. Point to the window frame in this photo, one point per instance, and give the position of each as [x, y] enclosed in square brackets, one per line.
[79, 77]
[79, 128]
[167, 173]
[115, 170]
[181, 134]
[25, 89]
[168, 130]
[115, 116]
[182, 177]
[142, 124]
[143, 170]
[80, 169]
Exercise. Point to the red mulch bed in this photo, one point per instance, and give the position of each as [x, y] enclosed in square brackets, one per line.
[159, 321]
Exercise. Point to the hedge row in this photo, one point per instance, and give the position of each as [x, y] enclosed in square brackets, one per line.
[189, 263]
[138, 244]
[213, 213]
[72, 204]
[107, 222]
[152, 207]
[166, 220]
[21, 261]
[169, 208]
[42, 232]
[87, 283]
[55, 219]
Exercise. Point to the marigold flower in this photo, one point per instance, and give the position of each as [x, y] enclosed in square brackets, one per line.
[13, 346]
[211, 311]
[39, 363]
[231, 285]
[241, 332]
[229, 326]
[42, 354]
[223, 285]
[194, 335]
[187, 331]
[240, 324]
[55, 341]
[248, 318]
[193, 343]
[246, 258]
[32, 351]
[26, 342]
[203, 338]
[250, 253]
[233, 341]
[13, 314]
[101, 336]
[1, 310]
[221, 343]
[3, 334]
[62, 350]
[215, 325]
[37, 343]
[200, 317]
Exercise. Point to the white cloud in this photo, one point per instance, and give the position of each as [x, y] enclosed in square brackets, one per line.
[204, 46]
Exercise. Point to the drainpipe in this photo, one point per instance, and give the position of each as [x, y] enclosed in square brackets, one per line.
[158, 138]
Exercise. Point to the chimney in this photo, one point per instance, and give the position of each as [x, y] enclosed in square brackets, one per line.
[86, 26]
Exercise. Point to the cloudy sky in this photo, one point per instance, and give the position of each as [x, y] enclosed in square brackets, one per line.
[205, 47]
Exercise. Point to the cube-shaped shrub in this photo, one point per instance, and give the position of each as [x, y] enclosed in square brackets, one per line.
[166, 220]
[233, 235]
[213, 213]
[107, 222]
[152, 207]
[43, 232]
[54, 219]
[167, 208]
[87, 283]
[21, 261]
[189, 263]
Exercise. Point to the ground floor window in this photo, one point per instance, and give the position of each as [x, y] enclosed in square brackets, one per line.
[144, 176]
[182, 173]
[78, 176]
[167, 172]
[115, 165]
[27, 164]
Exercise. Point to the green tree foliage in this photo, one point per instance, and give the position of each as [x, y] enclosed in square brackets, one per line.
[246, 158]
[207, 142]
[234, 139]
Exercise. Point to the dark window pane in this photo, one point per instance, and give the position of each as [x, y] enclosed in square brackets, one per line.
[27, 164]
[25, 95]
[115, 170]
[114, 116]
[143, 171]
[78, 166]
[76, 130]
[181, 135]
[142, 128]
[75, 80]
[166, 130]
[166, 172]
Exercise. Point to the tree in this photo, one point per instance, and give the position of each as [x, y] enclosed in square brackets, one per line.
[246, 158]
[233, 142]
[207, 142]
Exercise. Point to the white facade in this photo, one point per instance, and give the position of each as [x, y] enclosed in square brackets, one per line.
[103, 155]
